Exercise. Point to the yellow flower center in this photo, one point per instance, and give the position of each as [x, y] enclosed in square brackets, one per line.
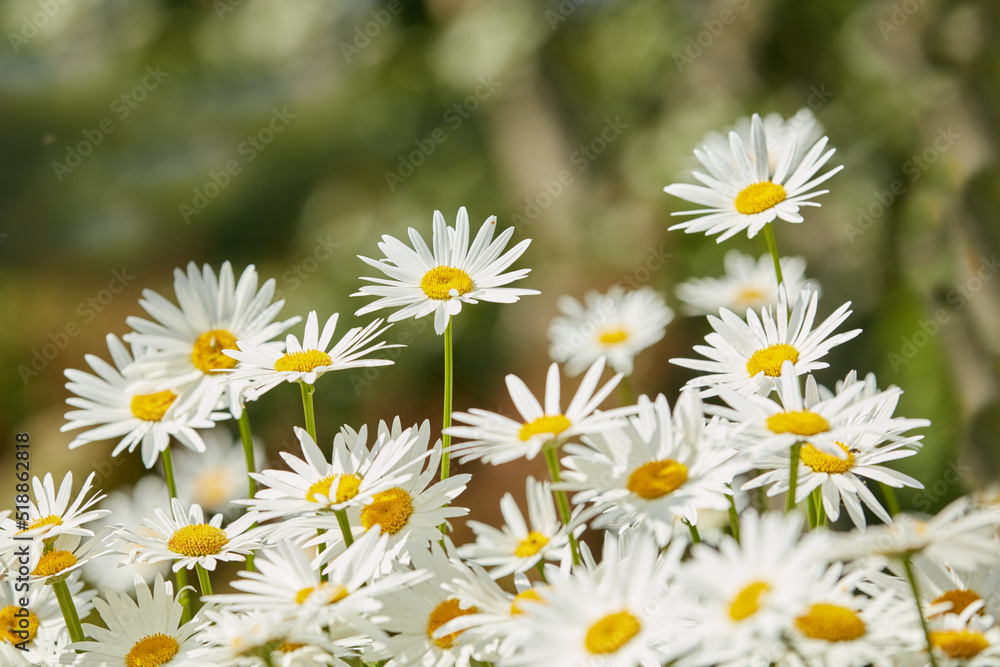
[820, 461]
[530, 594]
[152, 407]
[390, 509]
[443, 613]
[612, 336]
[657, 478]
[747, 602]
[959, 599]
[330, 593]
[302, 362]
[759, 197]
[54, 562]
[960, 643]
[14, 621]
[555, 425]
[799, 423]
[207, 354]
[51, 520]
[830, 622]
[612, 632]
[769, 359]
[347, 488]
[211, 487]
[152, 651]
[199, 539]
[441, 280]
[288, 647]
[749, 297]
[531, 545]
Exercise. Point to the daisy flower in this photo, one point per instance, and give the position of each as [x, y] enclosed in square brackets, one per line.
[188, 540]
[55, 520]
[149, 412]
[262, 367]
[617, 325]
[802, 128]
[187, 342]
[44, 637]
[748, 284]
[498, 439]
[144, 631]
[747, 356]
[55, 565]
[966, 639]
[518, 546]
[741, 191]
[655, 468]
[422, 282]
[217, 477]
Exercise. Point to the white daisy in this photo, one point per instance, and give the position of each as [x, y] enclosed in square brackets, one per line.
[748, 284]
[261, 367]
[143, 411]
[518, 546]
[54, 565]
[39, 633]
[617, 325]
[188, 540]
[217, 477]
[55, 520]
[965, 639]
[498, 439]
[747, 356]
[423, 282]
[802, 128]
[146, 631]
[742, 191]
[655, 468]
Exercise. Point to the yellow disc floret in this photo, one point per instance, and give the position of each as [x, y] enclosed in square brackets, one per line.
[959, 599]
[554, 424]
[798, 423]
[613, 336]
[444, 612]
[51, 520]
[960, 643]
[531, 545]
[54, 562]
[17, 625]
[747, 601]
[820, 461]
[152, 407]
[439, 282]
[759, 197]
[830, 622]
[749, 297]
[302, 361]
[330, 593]
[390, 509]
[770, 359]
[529, 594]
[152, 651]
[611, 633]
[347, 488]
[657, 478]
[196, 540]
[207, 354]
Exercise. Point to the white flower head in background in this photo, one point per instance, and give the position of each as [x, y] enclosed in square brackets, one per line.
[749, 284]
[802, 128]
[420, 282]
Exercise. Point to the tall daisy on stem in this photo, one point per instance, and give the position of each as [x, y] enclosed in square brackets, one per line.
[420, 282]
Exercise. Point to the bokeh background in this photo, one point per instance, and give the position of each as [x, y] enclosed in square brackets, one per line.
[136, 136]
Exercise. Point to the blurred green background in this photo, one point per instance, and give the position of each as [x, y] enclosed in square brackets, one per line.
[136, 136]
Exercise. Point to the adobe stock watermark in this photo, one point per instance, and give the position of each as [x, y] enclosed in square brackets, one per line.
[364, 34]
[955, 473]
[224, 7]
[248, 150]
[122, 108]
[581, 158]
[912, 169]
[87, 310]
[362, 379]
[454, 117]
[32, 25]
[297, 274]
[696, 45]
[959, 296]
[899, 16]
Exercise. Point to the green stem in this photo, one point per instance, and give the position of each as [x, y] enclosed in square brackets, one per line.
[204, 580]
[320, 548]
[552, 459]
[68, 608]
[920, 612]
[695, 536]
[819, 510]
[625, 393]
[345, 526]
[734, 518]
[540, 566]
[181, 575]
[168, 472]
[772, 247]
[793, 477]
[449, 372]
[890, 499]
[307, 407]
[247, 439]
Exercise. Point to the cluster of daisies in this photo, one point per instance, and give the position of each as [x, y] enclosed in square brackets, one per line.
[695, 532]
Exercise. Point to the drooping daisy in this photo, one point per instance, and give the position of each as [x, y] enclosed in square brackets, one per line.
[518, 546]
[802, 128]
[262, 368]
[146, 631]
[741, 191]
[655, 468]
[41, 635]
[748, 284]
[149, 412]
[617, 325]
[187, 342]
[498, 439]
[747, 356]
[188, 540]
[216, 477]
[55, 521]
[420, 282]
